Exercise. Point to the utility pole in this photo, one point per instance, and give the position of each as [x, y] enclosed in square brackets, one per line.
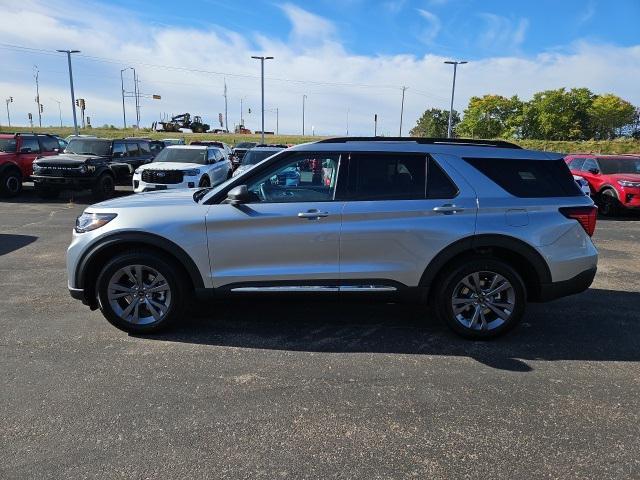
[375, 124]
[304, 97]
[73, 97]
[347, 122]
[262, 59]
[124, 113]
[453, 91]
[59, 110]
[226, 110]
[136, 92]
[241, 113]
[277, 122]
[39, 105]
[8, 101]
[402, 109]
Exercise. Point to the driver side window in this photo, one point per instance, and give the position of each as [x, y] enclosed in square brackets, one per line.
[308, 177]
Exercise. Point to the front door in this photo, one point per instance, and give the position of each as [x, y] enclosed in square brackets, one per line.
[287, 235]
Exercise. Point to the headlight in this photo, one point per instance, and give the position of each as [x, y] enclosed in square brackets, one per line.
[192, 173]
[36, 168]
[627, 183]
[83, 169]
[90, 221]
[137, 171]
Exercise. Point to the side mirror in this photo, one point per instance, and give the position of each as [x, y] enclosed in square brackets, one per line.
[25, 150]
[594, 171]
[238, 195]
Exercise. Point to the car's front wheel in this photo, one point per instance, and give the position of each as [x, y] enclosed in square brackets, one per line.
[104, 187]
[609, 205]
[481, 298]
[141, 292]
[10, 183]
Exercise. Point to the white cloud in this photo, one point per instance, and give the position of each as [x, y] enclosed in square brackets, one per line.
[588, 13]
[430, 32]
[502, 32]
[336, 80]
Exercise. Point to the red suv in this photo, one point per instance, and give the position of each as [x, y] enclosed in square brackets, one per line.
[614, 179]
[17, 153]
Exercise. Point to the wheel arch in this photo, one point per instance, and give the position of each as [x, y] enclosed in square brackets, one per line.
[525, 259]
[11, 165]
[608, 186]
[89, 264]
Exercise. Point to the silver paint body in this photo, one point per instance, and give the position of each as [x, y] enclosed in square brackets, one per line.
[392, 240]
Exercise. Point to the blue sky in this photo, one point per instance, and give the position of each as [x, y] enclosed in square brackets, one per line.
[463, 28]
[350, 57]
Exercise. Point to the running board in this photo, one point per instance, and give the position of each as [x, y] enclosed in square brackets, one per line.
[315, 288]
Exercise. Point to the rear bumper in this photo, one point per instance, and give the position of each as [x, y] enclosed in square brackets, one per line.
[577, 284]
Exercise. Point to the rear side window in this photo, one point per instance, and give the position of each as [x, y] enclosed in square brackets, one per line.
[133, 150]
[576, 164]
[439, 185]
[144, 148]
[387, 176]
[30, 143]
[529, 178]
[49, 144]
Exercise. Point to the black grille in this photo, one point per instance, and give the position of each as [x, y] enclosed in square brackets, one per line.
[162, 176]
[59, 171]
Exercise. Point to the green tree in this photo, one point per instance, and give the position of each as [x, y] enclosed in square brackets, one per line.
[434, 123]
[610, 113]
[559, 115]
[491, 116]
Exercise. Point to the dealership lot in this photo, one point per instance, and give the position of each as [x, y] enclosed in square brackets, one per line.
[311, 390]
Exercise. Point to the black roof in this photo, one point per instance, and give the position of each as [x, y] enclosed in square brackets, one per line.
[429, 141]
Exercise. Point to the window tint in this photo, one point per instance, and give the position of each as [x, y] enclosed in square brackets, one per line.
[576, 164]
[589, 164]
[144, 148]
[439, 185]
[49, 144]
[133, 150]
[529, 178]
[119, 148]
[156, 147]
[308, 177]
[387, 176]
[31, 143]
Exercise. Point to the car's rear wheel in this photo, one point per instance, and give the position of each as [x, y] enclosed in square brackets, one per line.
[481, 298]
[141, 292]
[609, 205]
[104, 187]
[10, 183]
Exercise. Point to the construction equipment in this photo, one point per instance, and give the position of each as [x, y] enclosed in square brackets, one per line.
[181, 121]
[242, 129]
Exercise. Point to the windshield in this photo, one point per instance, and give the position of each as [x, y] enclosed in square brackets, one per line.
[83, 146]
[256, 156]
[182, 155]
[7, 145]
[246, 145]
[611, 166]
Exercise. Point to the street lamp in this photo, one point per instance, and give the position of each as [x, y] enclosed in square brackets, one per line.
[59, 109]
[8, 101]
[453, 90]
[262, 59]
[304, 97]
[73, 96]
[124, 113]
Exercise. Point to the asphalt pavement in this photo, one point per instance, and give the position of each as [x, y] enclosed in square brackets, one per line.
[311, 389]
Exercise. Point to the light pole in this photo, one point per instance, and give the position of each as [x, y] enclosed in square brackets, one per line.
[347, 122]
[262, 59]
[304, 97]
[36, 75]
[59, 109]
[73, 96]
[124, 113]
[8, 101]
[453, 90]
[402, 109]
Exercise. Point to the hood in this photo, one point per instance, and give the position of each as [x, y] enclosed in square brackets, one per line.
[632, 177]
[68, 160]
[159, 199]
[170, 166]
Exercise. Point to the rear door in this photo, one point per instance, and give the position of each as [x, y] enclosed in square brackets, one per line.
[28, 150]
[401, 210]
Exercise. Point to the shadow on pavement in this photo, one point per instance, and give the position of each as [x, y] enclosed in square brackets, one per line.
[28, 195]
[10, 242]
[597, 325]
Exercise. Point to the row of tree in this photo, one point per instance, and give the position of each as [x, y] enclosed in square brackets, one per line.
[575, 114]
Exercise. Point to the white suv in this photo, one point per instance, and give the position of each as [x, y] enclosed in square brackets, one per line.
[474, 228]
[183, 166]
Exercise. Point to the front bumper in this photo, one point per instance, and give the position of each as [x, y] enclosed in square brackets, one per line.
[140, 186]
[71, 183]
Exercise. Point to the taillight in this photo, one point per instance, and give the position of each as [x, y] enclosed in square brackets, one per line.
[586, 216]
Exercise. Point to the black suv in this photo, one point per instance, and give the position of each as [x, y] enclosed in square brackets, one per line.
[90, 164]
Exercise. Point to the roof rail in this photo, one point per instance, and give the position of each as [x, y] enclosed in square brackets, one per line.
[428, 141]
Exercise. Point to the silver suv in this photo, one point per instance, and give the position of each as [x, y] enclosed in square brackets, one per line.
[473, 228]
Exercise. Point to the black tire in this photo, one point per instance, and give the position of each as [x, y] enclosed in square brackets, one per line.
[104, 187]
[46, 192]
[10, 182]
[204, 182]
[172, 273]
[608, 204]
[449, 282]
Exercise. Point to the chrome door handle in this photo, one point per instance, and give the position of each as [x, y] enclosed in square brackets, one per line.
[313, 214]
[448, 209]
